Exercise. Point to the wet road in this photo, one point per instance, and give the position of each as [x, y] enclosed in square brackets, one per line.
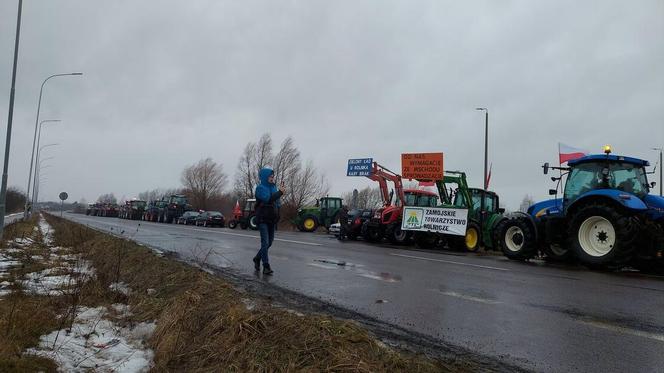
[540, 317]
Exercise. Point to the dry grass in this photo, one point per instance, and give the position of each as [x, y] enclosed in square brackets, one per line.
[24, 318]
[203, 325]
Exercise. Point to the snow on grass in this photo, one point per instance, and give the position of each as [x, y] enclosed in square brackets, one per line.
[98, 344]
[120, 287]
[46, 230]
[57, 280]
[7, 263]
[22, 241]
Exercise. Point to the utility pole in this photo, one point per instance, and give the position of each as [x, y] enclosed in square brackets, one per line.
[3, 188]
[660, 170]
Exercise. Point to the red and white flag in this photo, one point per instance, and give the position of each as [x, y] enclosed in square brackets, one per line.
[488, 177]
[568, 153]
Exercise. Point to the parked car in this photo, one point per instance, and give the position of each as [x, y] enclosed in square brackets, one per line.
[188, 217]
[356, 219]
[210, 219]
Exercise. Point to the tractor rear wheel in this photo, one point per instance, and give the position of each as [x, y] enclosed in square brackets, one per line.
[473, 237]
[371, 234]
[516, 239]
[557, 253]
[601, 236]
[396, 235]
[309, 223]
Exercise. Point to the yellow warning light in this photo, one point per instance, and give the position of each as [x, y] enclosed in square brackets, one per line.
[607, 149]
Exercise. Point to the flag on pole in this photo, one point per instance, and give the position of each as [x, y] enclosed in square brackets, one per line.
[568, 153]
[488, 176]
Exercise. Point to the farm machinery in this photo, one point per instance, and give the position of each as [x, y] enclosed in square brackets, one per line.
[386, 222]
[484, 214]
[605, 219]
[324, 213]
[245, 218]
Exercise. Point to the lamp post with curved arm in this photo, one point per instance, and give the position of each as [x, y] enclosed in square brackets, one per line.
[38, 142]
[37, 168]
[34, 140]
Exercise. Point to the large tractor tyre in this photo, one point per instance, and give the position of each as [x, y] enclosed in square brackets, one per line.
[516, 239]
[649, 257]
[601, 236]
[396, 235]
[253, 223]
[232, 224]
[309, 223]
[557, 253]
[371, 234]
[425, 240]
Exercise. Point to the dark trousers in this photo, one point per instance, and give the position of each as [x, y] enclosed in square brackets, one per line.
[267, 237]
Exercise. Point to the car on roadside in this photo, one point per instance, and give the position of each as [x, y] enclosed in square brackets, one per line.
[210, 219]
[187, 218]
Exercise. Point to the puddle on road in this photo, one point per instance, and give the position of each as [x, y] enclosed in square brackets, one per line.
[356, 268]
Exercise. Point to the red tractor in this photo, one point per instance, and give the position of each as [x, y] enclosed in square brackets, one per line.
[245, 218]
[386, 222]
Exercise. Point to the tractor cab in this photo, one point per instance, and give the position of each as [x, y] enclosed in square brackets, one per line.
[329, 207]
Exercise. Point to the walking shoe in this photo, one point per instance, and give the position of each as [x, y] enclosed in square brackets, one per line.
[267, 270]
[257, 263]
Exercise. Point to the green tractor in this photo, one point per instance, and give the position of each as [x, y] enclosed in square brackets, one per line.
[309, 218]
[480, 228]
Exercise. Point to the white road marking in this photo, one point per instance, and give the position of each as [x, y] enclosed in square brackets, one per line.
[450, 262]
[623, 330]
[467, 297]
[258, 237]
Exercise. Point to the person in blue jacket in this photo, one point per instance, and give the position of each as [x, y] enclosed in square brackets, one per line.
[268, 203]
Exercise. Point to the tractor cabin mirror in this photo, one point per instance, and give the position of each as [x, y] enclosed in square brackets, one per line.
[546, 168]
[501, 210]
[553, 192]
[652, 185]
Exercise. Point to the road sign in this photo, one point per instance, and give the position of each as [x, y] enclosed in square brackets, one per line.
[64, 196]
[435, 219]
[359, 167]
[422, 166]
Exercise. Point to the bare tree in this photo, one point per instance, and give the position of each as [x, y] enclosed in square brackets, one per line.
[305, 186]
[367, 198]
[107, 198]
[158, 193]
[204, 180]
[14, 200]
[244, 175]
[287, 162]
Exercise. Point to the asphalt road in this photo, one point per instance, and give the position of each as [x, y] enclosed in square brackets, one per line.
[537, 316]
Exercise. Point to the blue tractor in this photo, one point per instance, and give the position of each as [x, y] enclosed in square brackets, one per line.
[606, 218]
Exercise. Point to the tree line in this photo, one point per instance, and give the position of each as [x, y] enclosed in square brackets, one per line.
[206, 183]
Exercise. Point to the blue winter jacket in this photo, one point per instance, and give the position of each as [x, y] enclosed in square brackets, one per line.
[267, 198]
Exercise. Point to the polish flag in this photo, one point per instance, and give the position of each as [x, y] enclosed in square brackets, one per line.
[237, 210]
[568, 153]
[488, 177]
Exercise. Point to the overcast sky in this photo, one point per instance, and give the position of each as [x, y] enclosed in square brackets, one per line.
[167, 83]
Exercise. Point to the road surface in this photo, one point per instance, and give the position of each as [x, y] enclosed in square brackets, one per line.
[537, 316]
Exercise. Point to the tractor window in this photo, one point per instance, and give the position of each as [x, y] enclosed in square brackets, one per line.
[459, 199]
[584, 178]
[628, 178]
[427, 201]
[411, 199]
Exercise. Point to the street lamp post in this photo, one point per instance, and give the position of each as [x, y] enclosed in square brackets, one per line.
[486, 164]
[34, 140]
[10, 117]
[38, 142]
[660, 170]
[37, 182]
[38, 162]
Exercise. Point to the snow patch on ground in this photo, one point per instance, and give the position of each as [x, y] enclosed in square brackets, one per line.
[46, 231]
[120, 287]
[23, 242]
[58, 280]
[95, 343]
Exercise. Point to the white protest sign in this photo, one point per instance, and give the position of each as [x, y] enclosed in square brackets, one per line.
[435, 219]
